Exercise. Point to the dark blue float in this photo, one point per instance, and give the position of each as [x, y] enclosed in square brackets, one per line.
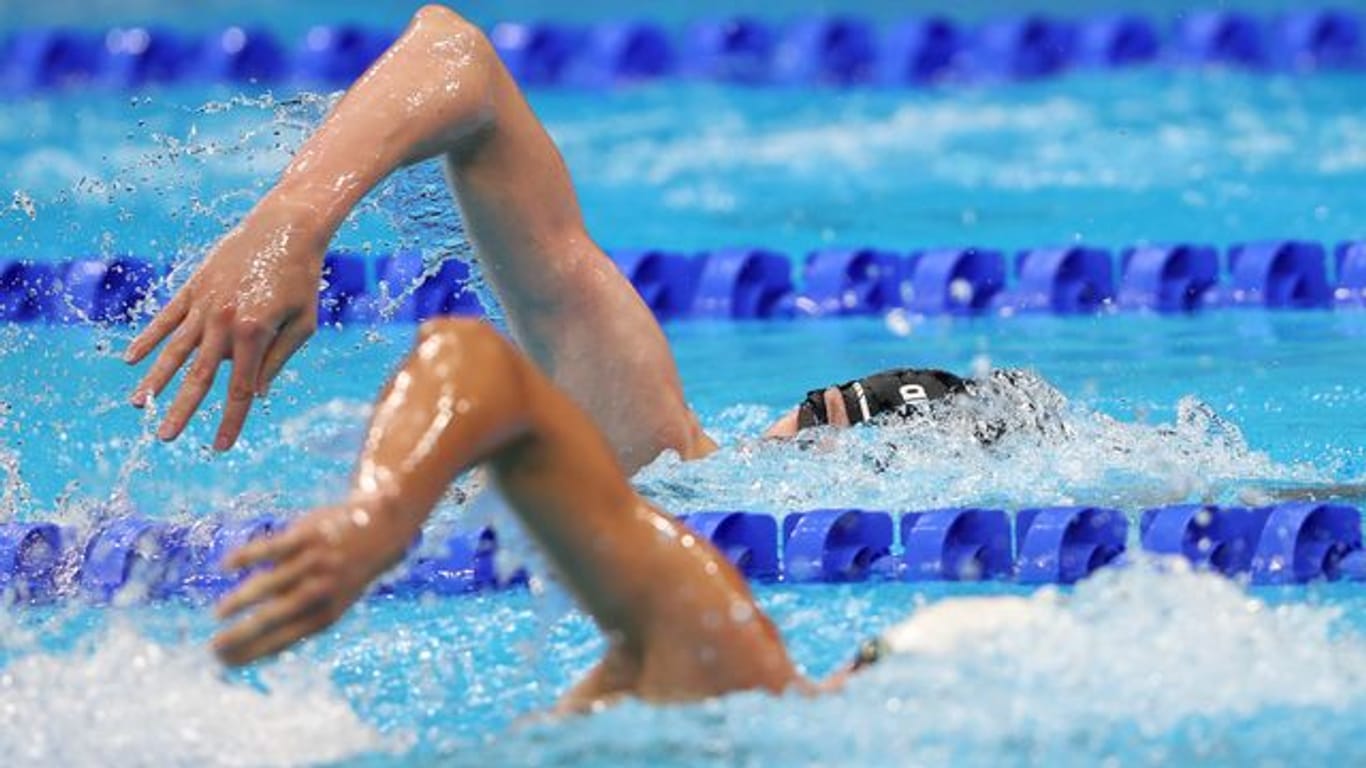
[920, 51]
[338, 54]
[743, 284]
[30, 554]
[749, 541]
[1279, 274]
[1221, 37]
[956, 545]
[1062, 545]
[1021, 47]
[1117, 40]
[957, 281]
[1175, 278]
[834, 545]
[852, 282]
[833, 50]
[738, 49]
[665, 280]
[1069, 280]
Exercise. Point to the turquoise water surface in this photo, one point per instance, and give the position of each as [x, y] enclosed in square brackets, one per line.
[1144, 666]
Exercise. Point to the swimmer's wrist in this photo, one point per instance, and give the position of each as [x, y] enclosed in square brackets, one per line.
[390, 511]
[302, 214]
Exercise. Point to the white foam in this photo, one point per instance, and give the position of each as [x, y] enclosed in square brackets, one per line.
[128, 700]
[1152, 644]
[1052, 452]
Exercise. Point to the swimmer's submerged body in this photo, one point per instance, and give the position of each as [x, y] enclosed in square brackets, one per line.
[588, 396]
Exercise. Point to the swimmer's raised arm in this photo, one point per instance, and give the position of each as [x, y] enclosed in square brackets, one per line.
[440, 90]
[679, 620]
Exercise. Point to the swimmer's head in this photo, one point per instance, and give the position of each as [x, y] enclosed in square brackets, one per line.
[902, 392]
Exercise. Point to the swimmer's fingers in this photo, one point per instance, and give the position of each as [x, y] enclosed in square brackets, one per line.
[278, 624]
[265, 584]
[177, 351]
[290, 339]
[250, 339]
[835, 413]
[269, 549]
[167, 320]
[197, 382]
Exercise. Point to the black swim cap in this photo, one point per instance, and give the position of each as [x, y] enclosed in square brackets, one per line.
[902, 391]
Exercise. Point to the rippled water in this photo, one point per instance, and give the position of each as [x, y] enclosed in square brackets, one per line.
[1144, 666]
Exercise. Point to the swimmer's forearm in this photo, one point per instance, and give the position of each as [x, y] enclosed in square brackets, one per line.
[420, 99]
[452, 402]
[465, 396]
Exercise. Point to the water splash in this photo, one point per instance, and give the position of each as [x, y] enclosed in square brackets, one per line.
[1017, 442]
[1151, 664]
[129, 700]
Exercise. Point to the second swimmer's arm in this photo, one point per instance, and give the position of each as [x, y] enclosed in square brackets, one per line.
[679, 620]
[440, 90]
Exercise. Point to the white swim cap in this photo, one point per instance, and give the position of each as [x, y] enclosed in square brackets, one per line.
[938, 629]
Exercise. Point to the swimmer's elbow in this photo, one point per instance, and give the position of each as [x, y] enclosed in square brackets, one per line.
[437, 14]
[456, 39]
[450, 48]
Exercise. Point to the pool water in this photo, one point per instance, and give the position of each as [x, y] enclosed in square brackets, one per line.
[1150, 664]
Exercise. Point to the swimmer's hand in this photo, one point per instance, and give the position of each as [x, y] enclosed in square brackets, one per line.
[319, 567]
[254, 300]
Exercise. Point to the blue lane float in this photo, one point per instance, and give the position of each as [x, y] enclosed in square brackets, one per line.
[1114, 40]
[1062, 545]
[919, 51]
[835, 545]
[1304, 542]
[1279, 274]
[103, 291]
[44, 58]
[412, 290]
[1318, 38]
[757, 283]
[955, 280]
[1066, 281]
[537, 54]
[1221, 539]
[462, 564]
[860, 281]
[337, 54]
[1351, 274]
[1221, 37]
[735, 50]
[623, 52]
[743, 284]
[132, 551]
[203, 576]
[956, 545]
[665, 280]
[133, 559]
[29, 557]
[749, 541]
[1174, 278]
[239, 55]
[1021, 48]
[134, 57]
[831, 50]
[26, 291]
[345, 284]
[837, 49]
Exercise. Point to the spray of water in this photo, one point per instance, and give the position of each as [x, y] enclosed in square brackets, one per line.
[125, 699]
[1017, 441]
[1151, 664]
